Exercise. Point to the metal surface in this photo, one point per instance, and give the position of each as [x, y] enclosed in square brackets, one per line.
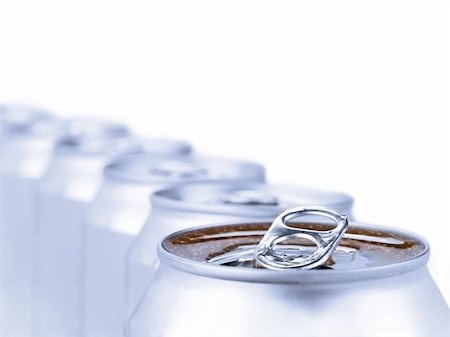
[151, 170]
[117, 215]
[164, 147]
[195, 204]
[67, 188]
[27, 136]
[68, 185]
[249, 197]
[22, 119]
[386, 290]
[268, 255]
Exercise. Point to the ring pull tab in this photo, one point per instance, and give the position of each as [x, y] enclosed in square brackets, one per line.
[270, 254]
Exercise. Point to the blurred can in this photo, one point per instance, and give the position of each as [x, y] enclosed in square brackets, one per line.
[68, 186]
[202, 203]
[378, 285]
[119, 212]
[19, 118]
[27, 137]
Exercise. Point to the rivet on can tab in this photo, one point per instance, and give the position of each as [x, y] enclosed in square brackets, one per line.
[271, 255]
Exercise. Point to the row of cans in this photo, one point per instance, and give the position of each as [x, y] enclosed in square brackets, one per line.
[105, 233]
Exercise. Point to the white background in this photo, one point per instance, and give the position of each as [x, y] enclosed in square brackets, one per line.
[344, 95]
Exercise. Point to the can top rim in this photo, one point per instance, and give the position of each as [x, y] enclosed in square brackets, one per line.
[92, 137]
[164, 146]
[287, 196]
[144, 168]
[317, 276]
[19, 120]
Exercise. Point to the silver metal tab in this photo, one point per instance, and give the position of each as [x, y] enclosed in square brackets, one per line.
[270, 254]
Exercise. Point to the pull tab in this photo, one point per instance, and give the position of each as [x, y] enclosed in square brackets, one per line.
[271, 255]
[249, 197]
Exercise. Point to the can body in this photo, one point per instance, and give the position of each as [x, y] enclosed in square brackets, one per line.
[381, 288]
[17, 198]
[63, 196]
[67, 187]
[212, 307]
[26, 143]
[142, 261]
[199, 204]
[117, 216]
[112, 223]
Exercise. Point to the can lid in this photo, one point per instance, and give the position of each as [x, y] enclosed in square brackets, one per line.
[161, 146]
[24, 120]
[151, 169]
[246, 198]
[179, 169]
[227, 251]
[96, 137]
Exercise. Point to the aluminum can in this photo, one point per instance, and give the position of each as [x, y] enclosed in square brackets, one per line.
[379, 287]
[27, 136]
[202, 203]
[17, 117]
[66, 189]
[117, 215]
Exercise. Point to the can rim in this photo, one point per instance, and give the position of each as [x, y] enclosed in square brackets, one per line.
[317, 276]
[157, 200]
[249, 170]
[105, 137]
[27, 121]
[180, 146]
